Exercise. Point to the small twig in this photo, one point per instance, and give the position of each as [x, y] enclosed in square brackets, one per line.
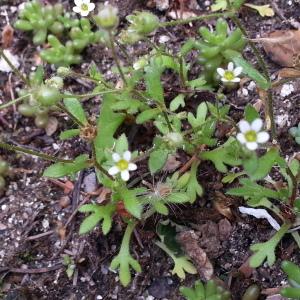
[137, 236]
[40, 235]
[32, 271]
[32, 152]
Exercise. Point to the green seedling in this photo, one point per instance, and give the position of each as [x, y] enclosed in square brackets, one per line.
[212, 48]
[4, 167]
[208, 291]
[40, 19]
[42, 97]
[295, 133]
[293, 273]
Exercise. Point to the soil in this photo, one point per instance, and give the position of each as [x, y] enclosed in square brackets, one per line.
[33, 210]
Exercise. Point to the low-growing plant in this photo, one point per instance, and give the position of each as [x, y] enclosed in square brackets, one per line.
[295, 133]
[293, 273]
[140, 99]
[4, 168]
[209, 291]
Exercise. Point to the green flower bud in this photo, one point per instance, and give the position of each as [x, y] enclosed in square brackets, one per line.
[41, 121]
[48, 96]
[143, 23]
[3, 167]
[26, 110]
[127, 37]
[64, 71]
[55, 82]
[107, 17]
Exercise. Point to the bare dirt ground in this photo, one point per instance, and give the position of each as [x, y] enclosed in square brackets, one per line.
[34, 210]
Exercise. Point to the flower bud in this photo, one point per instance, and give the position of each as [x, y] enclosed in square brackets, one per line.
[107, 17]
[63, 71]
[143, 22]
[127, 37]
[56, 82]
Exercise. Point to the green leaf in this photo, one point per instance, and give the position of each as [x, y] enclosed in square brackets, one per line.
[62, 169]
[176, 102]
[251, 113]
[263, 10]
[178, 198]
[230, 177]
[219, 5]
[98, 213]
[94, 72]
[197, 83]
[147, 115]
[193, 187]
[74, 107]
[121, 144]
[200, 116]
[160, 207]
[227, 154]
[108, 123]
[124, 260]
[266, 250]
[153, 84]
[67, 134]
[131, 202]
[157, 160]
[264, 164]
[250, 189]
[248, 69]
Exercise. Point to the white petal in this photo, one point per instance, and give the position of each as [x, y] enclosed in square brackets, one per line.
[84, 13]
[116, 157]
[127, 155]
[251, 145]
[236, 79]
[257, 125]
[241, 138]
[91, 6]
[262, 137]
[78, 2]
[113, 171]
[230, 66]
[224, 79]
[125, 175]
[77, 9]
[86, 2]
[221, 72]
[237, 71]
[132, 167]
[244, 126]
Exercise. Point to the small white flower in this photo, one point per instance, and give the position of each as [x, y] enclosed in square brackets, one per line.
[83, 7]
[123, 165]
[251, 134]
[286, 90]
[231, 74]
[4, 67]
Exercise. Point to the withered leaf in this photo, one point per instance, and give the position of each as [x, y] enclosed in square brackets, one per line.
[7, 36]
[51, 126]
[283, 47]
[189, 242]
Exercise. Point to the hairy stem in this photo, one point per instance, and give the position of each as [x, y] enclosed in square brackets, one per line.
[198, 18]
[98, 166]
[115, 57]
[34, 153]
[265, 71]
[12, 102]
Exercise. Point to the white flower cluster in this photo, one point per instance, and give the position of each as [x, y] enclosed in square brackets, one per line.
[83, 7]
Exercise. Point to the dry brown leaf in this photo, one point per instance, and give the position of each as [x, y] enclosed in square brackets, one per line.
[61, 230]
[178, 15]
[222, 205]
[7, 36]
[283, 47]
[225, 229]
[51, 126]
[172, 163]
[189, 242]
[289, 73]
[245, 269]
[104, 192]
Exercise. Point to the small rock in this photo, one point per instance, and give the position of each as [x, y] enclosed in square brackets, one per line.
[2, 226]
[90, 183]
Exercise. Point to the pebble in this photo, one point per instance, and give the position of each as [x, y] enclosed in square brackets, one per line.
[159, 288]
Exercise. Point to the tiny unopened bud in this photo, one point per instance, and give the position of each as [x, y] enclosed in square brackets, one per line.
[143, 22]
[63, 71]
[107, 17]
[56, 82]
[129, 38]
